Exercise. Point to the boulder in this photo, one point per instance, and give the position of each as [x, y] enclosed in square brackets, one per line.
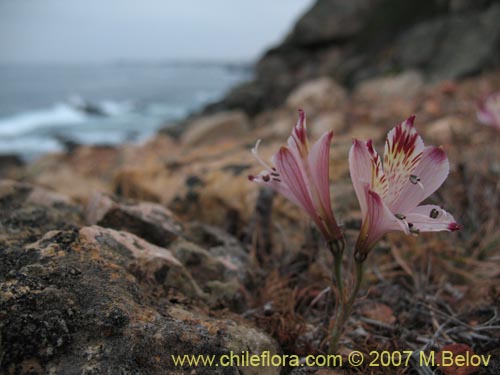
[150, 264]
[220, 276]
[448, 129]
[317, 95]
[452, 46]
[330, 21]
[74, 303]
[351, 41]
[150, 221]
[214, 128]
[29, 211]
[407, 84]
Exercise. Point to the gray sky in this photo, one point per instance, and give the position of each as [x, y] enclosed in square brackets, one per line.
[107, 30]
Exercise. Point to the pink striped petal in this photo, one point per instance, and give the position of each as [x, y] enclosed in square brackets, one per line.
[431, 171]
[365, 168]
[360, 168]
[403, 152]
[430, 218]
[319, 160]
[291, 173]
[377, 221]
[379, 182]
[297, 141]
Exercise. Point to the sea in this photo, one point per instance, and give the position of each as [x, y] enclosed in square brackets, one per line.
[44, 107]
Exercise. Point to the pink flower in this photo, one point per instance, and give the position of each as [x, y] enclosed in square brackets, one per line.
[389, 192]
[302, 175]
[488, 110]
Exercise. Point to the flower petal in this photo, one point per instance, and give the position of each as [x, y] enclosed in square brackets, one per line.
[377, 221]
[403, 152]
[319, 160]
[297, 141]
[430, 218]
[266, 180]
[488, 111]
[291, 174]
[432, 170]
[365, 168]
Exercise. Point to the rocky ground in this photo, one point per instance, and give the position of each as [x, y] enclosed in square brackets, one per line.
[112, 259]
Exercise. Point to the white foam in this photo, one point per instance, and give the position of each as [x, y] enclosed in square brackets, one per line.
[112, 108]
[59, 114]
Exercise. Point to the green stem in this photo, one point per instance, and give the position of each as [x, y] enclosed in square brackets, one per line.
[343, 307]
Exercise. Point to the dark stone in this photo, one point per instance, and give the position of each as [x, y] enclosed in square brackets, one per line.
[150, 221]
[328, 21]
[236, 169]
[194, 181]
[99, 319]
[9, 163]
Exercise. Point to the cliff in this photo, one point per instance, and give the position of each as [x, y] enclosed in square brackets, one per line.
[350, 41]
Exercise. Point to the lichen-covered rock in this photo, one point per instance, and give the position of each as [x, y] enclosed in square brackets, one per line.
[220, 274]
[29, 211]
[150, 221]
[150, 264]
[72, 304]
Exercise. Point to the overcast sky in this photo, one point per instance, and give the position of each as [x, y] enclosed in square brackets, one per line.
[110, 30]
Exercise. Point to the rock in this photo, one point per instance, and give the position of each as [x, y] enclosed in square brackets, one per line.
[327, 121]
[317, 95]
[29, 211]
[452, 46]
[330, 21]
[10, 165]
[219, 274]
[446, 129]
[150, 264]
[351, 41]
[72, 304]
[150, 221]
[204, 266]
[247, 96]
[407, 84]
[214, 128]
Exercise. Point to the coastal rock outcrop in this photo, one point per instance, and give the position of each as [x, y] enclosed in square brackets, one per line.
[87, 299]
[351, 41]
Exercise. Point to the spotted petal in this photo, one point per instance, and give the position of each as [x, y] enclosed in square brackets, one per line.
[403, 152]
[432, 171]
[430, 218]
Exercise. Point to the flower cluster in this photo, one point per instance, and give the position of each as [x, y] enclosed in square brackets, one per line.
[389, 190]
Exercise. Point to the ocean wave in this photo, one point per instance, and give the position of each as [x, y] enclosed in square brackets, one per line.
[59, 114]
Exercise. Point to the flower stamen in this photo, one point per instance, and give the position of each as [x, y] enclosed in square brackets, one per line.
[434, 213]
[415, 180]
[259, 159]
[414, 231]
